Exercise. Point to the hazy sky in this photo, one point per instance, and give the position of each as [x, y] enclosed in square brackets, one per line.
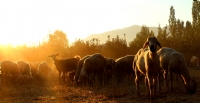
[27, 21]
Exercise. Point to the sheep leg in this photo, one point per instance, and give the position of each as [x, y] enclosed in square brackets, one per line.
[2, 79]
[5, 79]
[171, 80]
[154, 87]
[159, 81]
[151, 87]
[166, 82]
[147, 86]
[101, 75]
[137, 74]
[93, 79]
[64, 77]
[59, 73]
[88, 80]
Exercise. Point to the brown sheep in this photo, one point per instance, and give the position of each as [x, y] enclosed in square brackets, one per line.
[194, 62]
[110, 63]
[64, 65]
[146, 62]
[174, 62]
[79, 67]
[71, 75]
[25, 70]
[43, 71]
[94, 70]
[10, 69]
[34, 67]
[123, 68]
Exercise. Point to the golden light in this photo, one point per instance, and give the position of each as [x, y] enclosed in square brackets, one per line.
[17, 40]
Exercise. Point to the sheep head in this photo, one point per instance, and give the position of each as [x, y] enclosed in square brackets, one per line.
[53, 56]
[152, 43]
[77, 57]
[191, 87]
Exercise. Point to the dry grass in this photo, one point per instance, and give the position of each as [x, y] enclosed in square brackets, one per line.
[52, 92]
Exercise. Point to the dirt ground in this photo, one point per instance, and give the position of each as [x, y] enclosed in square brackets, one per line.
[52, 92]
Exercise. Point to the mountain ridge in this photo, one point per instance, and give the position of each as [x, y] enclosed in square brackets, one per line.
[130, 33]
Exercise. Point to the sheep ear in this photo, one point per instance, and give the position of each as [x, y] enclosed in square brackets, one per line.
[56, 54]
[158, 43]
[145, 44]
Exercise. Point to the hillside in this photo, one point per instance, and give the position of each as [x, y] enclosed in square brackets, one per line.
[129, 31]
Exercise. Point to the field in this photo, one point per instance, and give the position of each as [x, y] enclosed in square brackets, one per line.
[52, 92]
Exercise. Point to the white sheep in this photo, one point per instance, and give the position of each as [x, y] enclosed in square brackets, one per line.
[146, 62]
[174, 62]
[194, 62]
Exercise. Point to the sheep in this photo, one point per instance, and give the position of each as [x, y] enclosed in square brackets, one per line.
[94, 67]
[146, 62]
[109, 67]
[43, 71]
[25, 70]
[71, 75]
[65, 65]
[110, 64]
[79, 67]
[34, 67]
[10, 69]
[123, 68]
[174, 62]
[194, 62]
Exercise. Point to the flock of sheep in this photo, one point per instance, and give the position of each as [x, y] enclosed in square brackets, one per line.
[23, 72]
[98, 70]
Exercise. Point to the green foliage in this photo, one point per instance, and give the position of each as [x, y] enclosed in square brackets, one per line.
[115, 48]
[196, 16]
[196, 22]
[162, 36]
[172, 22]
[58, 42]
[140, 39]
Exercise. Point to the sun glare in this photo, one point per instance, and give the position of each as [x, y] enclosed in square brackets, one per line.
[19, 41]
[29, 22]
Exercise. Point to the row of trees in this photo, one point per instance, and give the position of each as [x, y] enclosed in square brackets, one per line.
[182, 36]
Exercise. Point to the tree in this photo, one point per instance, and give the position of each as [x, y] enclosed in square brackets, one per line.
[196, 16]
[58, 42]
[172, 27]
[115, 48]
[178, 37]
[140, 39]
[78, 47]
[162, 36]
[196, 22]
[172, 22]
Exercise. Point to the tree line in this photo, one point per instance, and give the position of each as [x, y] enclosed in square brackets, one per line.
[179, 35]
